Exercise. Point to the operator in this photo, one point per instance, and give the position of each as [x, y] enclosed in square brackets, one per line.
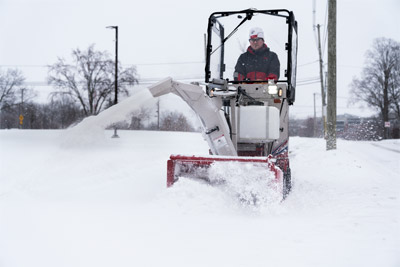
[258, 62]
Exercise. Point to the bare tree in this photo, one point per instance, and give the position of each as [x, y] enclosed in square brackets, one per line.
[394, 90]
[90, 79]
[14, 98]
[140, 118]
[379, 84]
[10, 82]
[175, 121]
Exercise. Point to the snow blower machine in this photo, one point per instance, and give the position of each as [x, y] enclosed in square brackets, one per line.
[244, 112]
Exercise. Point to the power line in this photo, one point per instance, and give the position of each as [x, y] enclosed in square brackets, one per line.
[23, 66]
[307, 83]
[165, 63]
[150, 80]
[319, 106]
[141, 81]
[139, 64]
[325, 26]
[308, 80]
[314, 26]
[350, 66]
[325, 29]
[309, 63]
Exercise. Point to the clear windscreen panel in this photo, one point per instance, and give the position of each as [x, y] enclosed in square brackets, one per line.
[294, 57]
[216, 62]
[224, 55]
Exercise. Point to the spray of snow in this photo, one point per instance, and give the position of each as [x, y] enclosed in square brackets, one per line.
[91, 130]
[251, 183]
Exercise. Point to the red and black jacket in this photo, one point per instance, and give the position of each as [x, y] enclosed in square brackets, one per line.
[261, 64]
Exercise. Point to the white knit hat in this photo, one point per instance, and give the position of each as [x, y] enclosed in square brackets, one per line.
[256, 33]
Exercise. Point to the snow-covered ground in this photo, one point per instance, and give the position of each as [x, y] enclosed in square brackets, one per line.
[105, 203]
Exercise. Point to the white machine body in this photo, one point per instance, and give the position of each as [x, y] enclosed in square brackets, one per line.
[258, 124]
[241, 125]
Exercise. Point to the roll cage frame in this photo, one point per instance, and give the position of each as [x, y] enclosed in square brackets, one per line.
[290, 46]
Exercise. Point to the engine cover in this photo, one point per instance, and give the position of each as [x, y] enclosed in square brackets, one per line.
[258, 124]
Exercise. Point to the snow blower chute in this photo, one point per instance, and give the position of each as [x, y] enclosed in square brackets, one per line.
[243, 109]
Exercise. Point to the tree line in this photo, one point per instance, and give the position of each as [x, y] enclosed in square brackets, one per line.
[379, 84]
[348, 127]
[85, 87]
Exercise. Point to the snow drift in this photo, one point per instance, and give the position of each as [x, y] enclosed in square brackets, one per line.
[107, 204]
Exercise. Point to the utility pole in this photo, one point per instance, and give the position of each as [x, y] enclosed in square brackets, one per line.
[321, 76]
[158, 114]
[116, 73]
[331, 124]
[116, 63]
[315, 118]
[21, 109]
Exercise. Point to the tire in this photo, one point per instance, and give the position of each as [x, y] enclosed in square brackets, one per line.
[287, 183]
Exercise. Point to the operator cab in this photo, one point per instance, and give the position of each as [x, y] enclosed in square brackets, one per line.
[228, 38]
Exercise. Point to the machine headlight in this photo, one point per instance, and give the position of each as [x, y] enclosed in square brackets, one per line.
[272, 89]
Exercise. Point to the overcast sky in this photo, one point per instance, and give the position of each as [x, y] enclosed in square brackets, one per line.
[165, 38]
